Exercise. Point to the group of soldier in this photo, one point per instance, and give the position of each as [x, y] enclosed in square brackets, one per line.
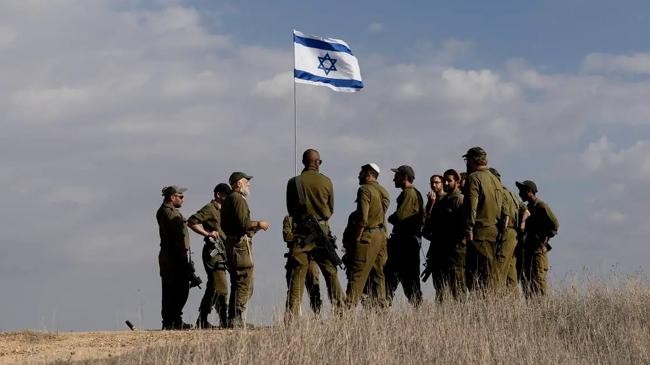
[483, 237]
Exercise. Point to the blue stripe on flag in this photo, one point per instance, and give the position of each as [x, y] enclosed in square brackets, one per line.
[315, 43]
[355, 84]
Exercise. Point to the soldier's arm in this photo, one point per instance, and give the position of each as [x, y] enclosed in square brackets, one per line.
[292, 198]
[330, 200]
[195, 222]
[471, 204]
[176, 229]
[553, 224]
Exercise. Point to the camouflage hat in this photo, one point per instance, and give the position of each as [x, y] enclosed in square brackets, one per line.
[238, 175]
[527, 185]
[172, 189]
[405, 170]
[222, 188]
[475, 152]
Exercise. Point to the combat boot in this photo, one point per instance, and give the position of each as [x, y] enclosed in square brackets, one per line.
[203, 323]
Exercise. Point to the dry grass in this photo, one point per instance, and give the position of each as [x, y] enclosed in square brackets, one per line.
[602, 323]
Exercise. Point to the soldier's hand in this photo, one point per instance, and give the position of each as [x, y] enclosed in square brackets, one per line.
[263, 225]
[213, 234]
[469, 237]
[431, 196]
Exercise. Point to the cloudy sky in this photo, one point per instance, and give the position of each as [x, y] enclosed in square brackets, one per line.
[104, 102]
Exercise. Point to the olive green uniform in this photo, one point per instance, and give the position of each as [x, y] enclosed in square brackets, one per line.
[368, 254]
[505, 260]
[483, 203]
[216, 290]
[318, 202]
[540, 227]
[447, 250]
[235, 218]
[403, 264]
[174, 264]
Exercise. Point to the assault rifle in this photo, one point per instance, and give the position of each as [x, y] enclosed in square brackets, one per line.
[191, 272]
[325, 243]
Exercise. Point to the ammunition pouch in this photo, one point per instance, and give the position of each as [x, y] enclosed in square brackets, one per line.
[288, 229]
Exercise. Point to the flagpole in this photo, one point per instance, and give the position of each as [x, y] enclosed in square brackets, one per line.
[295, 120]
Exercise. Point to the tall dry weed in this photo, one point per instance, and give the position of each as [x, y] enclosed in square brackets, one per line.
[599, 323]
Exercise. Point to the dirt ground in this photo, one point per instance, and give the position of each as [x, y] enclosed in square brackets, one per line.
[40, 347]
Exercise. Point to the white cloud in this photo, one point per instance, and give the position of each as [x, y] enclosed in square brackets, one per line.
[602, 157]
[638, 63]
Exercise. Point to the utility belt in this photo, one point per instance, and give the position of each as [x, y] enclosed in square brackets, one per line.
[373, 229]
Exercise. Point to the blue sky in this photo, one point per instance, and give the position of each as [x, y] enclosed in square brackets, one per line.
[104, 102]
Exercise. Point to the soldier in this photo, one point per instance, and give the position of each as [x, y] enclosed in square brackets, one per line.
[510, 219]
[368, 239]
[173, 258]
[239, 229]
[436, 193]
[447, 251]
[310, 195]
[483, 203]
[541, 226]
[207, 223]
[403, 263]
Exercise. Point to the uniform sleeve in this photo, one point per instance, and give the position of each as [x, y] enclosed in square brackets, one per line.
[363, 205]
[198, 217]
[408, 208]
[553, 224]
[292, 198]
[457, 203]
[471, 203]
[178, 233]
[330, 200]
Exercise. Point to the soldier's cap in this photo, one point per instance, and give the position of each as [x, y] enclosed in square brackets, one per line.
[494, 172]
[405, 170]
[222, 188]
[373, 166]
[172, 189]
[527, 185]
[238, 175]
[475, 152]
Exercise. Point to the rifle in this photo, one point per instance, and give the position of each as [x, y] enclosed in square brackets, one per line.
[428, 269]
[325, 243]
[191, 272]
[217, 255]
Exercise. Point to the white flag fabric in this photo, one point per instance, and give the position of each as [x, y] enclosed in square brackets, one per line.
[325, 61]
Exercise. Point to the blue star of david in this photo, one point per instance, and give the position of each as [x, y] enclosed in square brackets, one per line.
[321, 61]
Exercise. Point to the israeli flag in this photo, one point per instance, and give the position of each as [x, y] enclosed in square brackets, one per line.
[325, 61]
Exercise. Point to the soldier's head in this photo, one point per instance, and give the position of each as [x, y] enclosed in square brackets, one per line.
[240, 182]
[527, 190]
[174, 195]
[436, 184]
[475, 158]
[404, 176]
[311, 159]
[451, 180]
[221, 191]
[463, 178]
[369, 172]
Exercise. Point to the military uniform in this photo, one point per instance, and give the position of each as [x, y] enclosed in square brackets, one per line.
[403, 263]
[235, 218]
[369, 253]
[316, 200]
[447, 250]
[483, 203]
[216, 291]
[505, 260]
[540, 227]
[174, 264]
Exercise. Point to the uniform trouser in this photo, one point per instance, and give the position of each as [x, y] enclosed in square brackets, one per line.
[450, 275]
[298, 266]
[175, 290]
[506, 261]
[312, 285]
[216, 293]
[239, 257]
[481, 259]
[535, 268]
[369, 255]
[403, 265]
